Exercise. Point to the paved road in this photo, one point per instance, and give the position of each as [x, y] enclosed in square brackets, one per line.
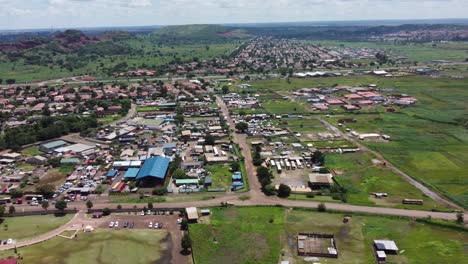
[432, 194]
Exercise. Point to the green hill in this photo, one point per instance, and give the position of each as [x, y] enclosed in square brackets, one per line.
[197, 33]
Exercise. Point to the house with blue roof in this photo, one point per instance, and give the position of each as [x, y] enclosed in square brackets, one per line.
[111, 174]
[153, 172]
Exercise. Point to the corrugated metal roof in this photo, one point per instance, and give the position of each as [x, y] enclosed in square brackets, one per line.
[131, 173]
[154, 167]
[54, 144]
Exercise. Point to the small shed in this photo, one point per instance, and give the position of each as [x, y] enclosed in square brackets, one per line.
[387, 246]
[192, 214]
[208, 181]
[381, 256]
[111, 174]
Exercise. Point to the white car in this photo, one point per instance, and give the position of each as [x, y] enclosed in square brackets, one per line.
[116, 224]
[150, 225]
[142, 213]
[111, 224]
[156, 225]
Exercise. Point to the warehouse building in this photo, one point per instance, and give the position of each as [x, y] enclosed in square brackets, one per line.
[153, 172]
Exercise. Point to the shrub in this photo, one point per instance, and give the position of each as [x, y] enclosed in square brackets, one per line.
[321, 207]
[106, 211]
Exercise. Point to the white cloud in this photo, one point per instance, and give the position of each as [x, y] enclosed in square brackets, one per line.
[73, 13]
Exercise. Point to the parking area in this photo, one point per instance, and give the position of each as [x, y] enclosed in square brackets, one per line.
[137, 221]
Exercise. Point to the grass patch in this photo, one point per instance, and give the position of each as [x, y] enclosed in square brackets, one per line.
[31, 151]
[101, 246]
[221, 175]
[30, 226]
[244, 235]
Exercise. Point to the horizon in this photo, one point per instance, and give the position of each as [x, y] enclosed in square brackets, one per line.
[368, 22]
[44, 14]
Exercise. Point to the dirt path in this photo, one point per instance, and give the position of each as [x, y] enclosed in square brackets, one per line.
[428, 192]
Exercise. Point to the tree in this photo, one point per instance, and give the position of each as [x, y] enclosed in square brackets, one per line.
[235, 166]
[284, 191]
[209, 140]
[1, 80]
[45, 205]
[184, 224]
[89, 204]
[321, 207]
[242, 126]
[179, 174]
[106, 211]
[47, 190]
[119, 207]
[225, 89]
[186, 242]
[61, 205]
[318, 158]
[460, 218]
[11, 210]
[2, 210]
[150, 206]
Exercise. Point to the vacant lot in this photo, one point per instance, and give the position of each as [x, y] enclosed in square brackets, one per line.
[418, 243]
[246, 235]
[360, 176]
[116, 246]
[263, 235]
[221, 175]
[30, 226]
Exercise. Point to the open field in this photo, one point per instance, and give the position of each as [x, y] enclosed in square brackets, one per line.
[101, 246]
[453, 51]
[283, 107]
[247, 235]
[30, 226]
[429, 140]
[361, 177]
[262, 235]
[421, 243]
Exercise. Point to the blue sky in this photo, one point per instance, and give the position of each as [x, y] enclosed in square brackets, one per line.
[21, 14]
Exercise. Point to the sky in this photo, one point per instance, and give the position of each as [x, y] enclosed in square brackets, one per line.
[32, 14]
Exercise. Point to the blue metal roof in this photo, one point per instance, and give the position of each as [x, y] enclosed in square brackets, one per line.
[237, 177]
[154, 167]
[111, 173]
[237, 184]
[132, 173]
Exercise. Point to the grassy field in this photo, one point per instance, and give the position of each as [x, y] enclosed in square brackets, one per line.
[100, 247]
[246, 235]
[221, 175]
[429, 140]
[453, 51]
[155, 55]
[283, 107]
[268, 235]
[421, 243]
[32, 151]
[30, 226]
[361, 177]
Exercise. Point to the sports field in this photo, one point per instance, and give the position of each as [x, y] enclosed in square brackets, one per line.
[100, 247]
[30, 226]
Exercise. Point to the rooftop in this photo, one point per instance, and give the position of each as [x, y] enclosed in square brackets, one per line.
[154, 167]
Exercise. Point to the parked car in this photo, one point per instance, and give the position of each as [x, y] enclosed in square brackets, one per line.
[150, 225]
[116, 224]
[111, 224]
[132, 225]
